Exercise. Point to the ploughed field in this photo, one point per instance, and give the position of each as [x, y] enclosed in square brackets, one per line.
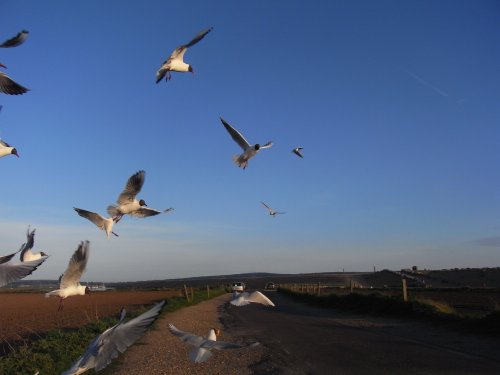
[27, 315]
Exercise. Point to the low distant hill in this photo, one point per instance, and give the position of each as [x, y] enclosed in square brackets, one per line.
[463, 277]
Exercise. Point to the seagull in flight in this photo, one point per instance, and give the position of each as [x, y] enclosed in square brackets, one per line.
[115, 340]
[175, 63]
[26, 253]
[5, 148]
[10, 272]
[15, 41]
[249, 151]
[7, 84]
[127, 202]
[106, 224]
[201, 346]
[297, 152]
[70, 279]
[245, 298]
[271, 211]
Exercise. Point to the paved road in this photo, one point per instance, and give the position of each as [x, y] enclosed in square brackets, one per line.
[303, 340]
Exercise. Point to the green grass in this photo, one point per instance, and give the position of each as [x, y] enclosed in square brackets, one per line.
[56, 350]
[377, 304]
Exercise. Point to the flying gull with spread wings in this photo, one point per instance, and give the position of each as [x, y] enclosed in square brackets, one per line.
[271, 211]
[201, 346]
[245, 298]
[26, 254]
[127, 202]
[175, 63]
[249, 151]
[70, 279]
[106, 224]
[115, 340]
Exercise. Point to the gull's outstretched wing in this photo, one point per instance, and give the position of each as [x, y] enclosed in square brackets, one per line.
[198, 37]
[15, 41]
[237, 137]
[76, 266]
[16, 271]
[146, 211]
[9, 86]
[132, 188]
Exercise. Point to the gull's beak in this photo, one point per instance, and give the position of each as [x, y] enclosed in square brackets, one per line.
[3, 66]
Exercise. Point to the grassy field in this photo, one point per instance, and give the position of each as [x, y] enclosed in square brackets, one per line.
[53, 351]
[416, 308]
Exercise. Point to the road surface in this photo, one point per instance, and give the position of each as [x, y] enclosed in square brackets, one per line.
[299, 339]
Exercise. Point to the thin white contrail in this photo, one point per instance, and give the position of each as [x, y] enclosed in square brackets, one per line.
[424, 82]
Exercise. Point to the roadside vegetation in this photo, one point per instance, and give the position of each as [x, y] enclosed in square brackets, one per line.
[424, 309]
[55, 351]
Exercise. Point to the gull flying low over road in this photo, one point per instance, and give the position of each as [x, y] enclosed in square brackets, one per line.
[245, 298]
[106, 224]
[115, 340]
[10, 272]
[7, 84]
[201, 346]
[249, 151]
[26, 253]
[271, 211]
[297, 152]
[128, 204]
[6, 149]
[175, 63]
[70, 279]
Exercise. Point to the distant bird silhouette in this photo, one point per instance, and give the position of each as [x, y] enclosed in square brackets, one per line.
[249, 151]
[8, 85]
[113, 341]
[106, 224]
[128, 204]
[297, 152]
[201, 346]
[175, 63]
[271, 211]
[70, 279]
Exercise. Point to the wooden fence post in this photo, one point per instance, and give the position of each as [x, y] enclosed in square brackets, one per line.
[351, 286]
[192, 295]
[208, 291]
[405, 291]
[319, 288]
[186, 292]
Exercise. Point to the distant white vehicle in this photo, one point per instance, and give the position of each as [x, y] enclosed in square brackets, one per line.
[238, 287]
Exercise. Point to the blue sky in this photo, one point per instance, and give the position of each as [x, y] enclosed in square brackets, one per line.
[395, 104]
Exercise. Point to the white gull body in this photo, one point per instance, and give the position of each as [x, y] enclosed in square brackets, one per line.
[175, 63]
[70, 280]
[26, 254]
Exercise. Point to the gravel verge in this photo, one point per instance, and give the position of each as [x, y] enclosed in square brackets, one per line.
[159, 352]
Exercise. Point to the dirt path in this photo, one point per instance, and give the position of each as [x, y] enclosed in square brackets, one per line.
[159, 352]
[299, 339]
